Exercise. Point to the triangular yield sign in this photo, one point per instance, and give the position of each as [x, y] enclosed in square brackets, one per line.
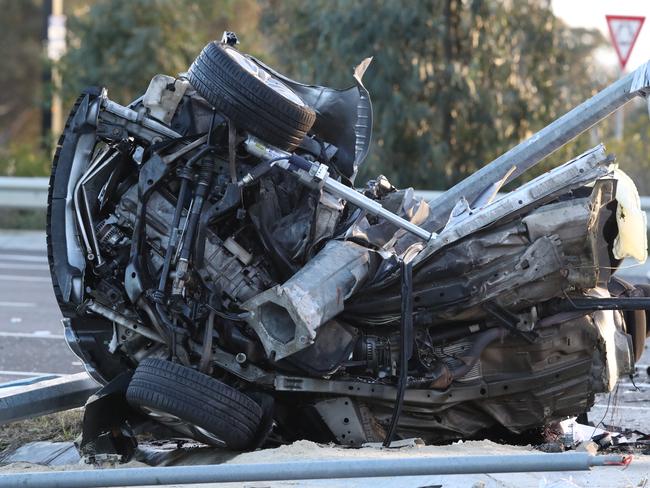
[624, 31]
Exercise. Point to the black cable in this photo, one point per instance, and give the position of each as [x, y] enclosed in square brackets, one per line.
[200, 195]
[406, 346]
[171, 242]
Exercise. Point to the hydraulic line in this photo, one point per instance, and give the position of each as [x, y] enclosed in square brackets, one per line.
[173, 234]
[205, 176]
[206, 351]
[406, 346]
[200, 195]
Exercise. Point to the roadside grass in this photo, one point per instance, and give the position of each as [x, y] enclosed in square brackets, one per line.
[56, 427]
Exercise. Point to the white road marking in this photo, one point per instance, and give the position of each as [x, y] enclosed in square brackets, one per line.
[624, 407]
[17, 304]
[23, 257]
[632, 385]
[28, 373]
[32, 279]
[32, 335]
[24, 266]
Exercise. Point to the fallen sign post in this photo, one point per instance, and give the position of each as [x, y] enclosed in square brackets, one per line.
[49, 396]
[624, 31]
[314, 469]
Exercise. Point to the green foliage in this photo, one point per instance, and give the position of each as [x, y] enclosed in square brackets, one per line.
[454, 83]
[632, 152]
[20, 76]
[121, 44]
[23, 159]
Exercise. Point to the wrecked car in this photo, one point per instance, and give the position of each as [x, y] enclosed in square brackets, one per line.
[221, 274]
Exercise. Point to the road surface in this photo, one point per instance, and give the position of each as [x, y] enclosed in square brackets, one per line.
[31, 335]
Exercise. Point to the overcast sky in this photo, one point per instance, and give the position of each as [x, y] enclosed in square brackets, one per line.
[591, 13]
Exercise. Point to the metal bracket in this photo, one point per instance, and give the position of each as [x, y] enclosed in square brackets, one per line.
[343, 420]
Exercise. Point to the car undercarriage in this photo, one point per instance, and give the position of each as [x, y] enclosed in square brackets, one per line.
[219, 272]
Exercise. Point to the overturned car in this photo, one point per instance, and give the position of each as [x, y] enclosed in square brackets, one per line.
[221, 275]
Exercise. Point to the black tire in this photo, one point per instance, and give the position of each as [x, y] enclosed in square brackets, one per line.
[197, 399]
[249, 102]
[92, 333]
[55, 220]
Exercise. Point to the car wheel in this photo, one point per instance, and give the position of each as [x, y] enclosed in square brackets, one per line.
[195, 404]
[60, 270]
[250, 96]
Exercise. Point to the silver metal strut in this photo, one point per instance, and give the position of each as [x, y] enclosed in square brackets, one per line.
[315, 173]
[541, 144]
[308, 469]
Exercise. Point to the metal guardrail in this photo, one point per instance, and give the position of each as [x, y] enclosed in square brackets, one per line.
[31, 193]
[23, 401]
[23, 192]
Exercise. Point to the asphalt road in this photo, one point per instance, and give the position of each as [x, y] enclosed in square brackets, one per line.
[31, 334]
[31, 340]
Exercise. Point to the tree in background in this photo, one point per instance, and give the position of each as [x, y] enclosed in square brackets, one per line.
[632, 152]
[454, 83]
[21, 98]
[121, 44]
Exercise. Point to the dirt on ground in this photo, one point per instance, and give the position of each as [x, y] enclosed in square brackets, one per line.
[56, 427]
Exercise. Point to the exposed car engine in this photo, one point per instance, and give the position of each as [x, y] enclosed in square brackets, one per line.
[220, 273]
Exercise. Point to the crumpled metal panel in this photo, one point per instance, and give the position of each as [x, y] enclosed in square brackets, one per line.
[287, 317]
[343, 117]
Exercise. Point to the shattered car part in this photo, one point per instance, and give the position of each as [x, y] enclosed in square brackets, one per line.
[207, 241]
[287, 317]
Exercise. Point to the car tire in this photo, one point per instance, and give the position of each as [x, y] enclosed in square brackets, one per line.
[235, 86]
[215, 413]
[56, 218]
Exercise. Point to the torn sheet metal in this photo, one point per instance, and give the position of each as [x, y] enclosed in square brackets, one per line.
[632, 239]
[287, 316]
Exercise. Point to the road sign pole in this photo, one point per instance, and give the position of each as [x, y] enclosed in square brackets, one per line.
[624, 31]
[620, 118]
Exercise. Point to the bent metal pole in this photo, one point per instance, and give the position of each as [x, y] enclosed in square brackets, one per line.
[541, 144]
[313, 469]
[310, 172]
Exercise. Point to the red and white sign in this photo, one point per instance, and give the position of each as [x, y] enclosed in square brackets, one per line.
[624, 30]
